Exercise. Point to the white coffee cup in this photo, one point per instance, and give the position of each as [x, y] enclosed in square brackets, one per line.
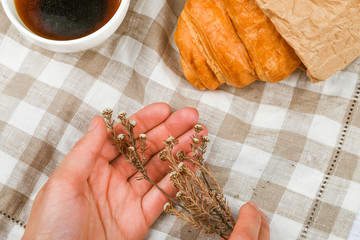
[76, 45]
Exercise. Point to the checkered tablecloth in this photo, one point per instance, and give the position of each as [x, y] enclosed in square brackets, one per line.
[292, 147]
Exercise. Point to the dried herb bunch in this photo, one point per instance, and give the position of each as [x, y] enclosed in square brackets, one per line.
[199, 201]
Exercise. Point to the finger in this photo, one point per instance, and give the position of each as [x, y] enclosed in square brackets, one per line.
[146, 118]
[177, 124]
[248, 223]
[82, 157]
[264, 233]
[153, 202]
[157, 169]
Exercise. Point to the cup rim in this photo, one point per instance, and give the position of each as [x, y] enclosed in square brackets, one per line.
[123, 7]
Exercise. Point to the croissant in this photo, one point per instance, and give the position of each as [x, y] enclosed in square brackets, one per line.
[232, 42]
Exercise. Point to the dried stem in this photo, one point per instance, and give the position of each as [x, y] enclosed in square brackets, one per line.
[199, 201]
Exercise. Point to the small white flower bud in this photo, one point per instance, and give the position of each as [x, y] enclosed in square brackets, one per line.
[180, 155]
[195, 140]
[198, 128]
[121, 137]
[206, 139]
[181, 167]
[142, 136]
[162, 155]
[179, 194]
[167, 207]
[170, 140]
[132, 123]
[121, 115]
[131, 149]
[173, 175]
[107, 111]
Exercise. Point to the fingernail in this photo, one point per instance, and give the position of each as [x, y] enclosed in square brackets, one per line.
[253, 205]
[93, 124]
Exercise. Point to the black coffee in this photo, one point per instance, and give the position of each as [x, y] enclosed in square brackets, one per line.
[65, 19]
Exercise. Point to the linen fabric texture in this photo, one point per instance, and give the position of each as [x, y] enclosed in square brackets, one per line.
[291, 147]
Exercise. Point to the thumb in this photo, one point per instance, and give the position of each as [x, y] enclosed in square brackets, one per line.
[82, 157]
[248, 223]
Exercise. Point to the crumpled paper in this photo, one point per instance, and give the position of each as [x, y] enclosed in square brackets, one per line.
[325, 34]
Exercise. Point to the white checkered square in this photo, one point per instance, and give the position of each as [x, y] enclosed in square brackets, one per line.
[102, 95]
[16, 232]
[68, 140]
[355, 228]
[324, 130]
[251, 161]
[55, 73]
[7, 165]
[149, 8]
[341, 84]
[268, 116]
[292, 79]
[352, 198]
[26, 117]
[235, 204]
[164, 76]
[283, 228]
[127, 50]
[217, 99]
[155, 234]
[305, 180]
[12, 54]
[333, 237]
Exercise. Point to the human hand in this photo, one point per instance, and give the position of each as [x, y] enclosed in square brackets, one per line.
[251, 224]
[94, 194]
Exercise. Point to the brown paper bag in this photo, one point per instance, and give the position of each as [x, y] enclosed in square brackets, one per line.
[324, 33]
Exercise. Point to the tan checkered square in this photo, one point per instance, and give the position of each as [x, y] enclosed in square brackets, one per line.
[37, 154]
[289, 145]
[238, 133]
[326, 217]
[268, 138]
[304, 101]
[178, 100]
[10, 199]
[63, 98]
[253, 92]
[92, 63]
[347, 165]
[136, 87]
[5, 24]
[13, 89]
[268, 195]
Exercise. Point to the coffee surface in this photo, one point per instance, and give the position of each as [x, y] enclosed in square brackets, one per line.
[65, 19]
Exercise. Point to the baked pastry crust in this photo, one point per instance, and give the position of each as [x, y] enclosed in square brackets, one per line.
[233, 42]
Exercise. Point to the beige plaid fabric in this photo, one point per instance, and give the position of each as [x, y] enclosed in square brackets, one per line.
[292, 147]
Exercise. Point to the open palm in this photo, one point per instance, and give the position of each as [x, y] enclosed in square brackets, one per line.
[95, 194]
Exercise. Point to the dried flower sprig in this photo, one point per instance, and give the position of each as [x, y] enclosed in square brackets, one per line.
[199, 191]
[199, 201]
